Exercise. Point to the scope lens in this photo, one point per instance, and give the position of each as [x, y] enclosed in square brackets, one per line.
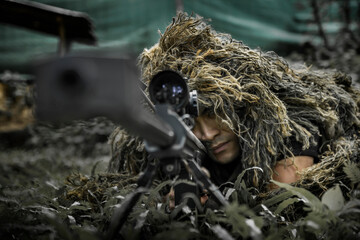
[168, 87]
[169, 92]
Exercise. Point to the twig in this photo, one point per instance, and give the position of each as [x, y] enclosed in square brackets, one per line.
[316, 13]
[347, 19]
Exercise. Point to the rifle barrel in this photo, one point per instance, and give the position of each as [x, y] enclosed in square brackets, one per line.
[148, 126]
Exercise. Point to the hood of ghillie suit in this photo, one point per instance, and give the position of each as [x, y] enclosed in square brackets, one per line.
[258, 95]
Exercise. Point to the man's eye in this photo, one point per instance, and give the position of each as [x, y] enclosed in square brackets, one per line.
[205, 112]
[194, 129]
[209, 114]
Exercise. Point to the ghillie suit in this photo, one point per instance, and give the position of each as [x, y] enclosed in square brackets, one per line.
[263, 100]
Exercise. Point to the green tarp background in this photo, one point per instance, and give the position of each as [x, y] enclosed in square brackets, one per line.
[277, 25]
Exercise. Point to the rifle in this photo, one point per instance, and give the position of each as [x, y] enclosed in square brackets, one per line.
[81, 87]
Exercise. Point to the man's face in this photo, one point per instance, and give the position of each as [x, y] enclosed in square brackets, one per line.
[223, 143]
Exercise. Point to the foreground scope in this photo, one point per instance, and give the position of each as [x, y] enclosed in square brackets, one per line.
[169, 87]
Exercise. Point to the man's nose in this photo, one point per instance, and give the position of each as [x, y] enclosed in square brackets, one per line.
[208, 132]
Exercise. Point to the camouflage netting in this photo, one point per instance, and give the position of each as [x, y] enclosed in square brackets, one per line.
[259, 96]
[15, 102]
[94, 189]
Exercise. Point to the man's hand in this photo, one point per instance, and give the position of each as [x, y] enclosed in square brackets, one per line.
[203, 197]
[171, 197]
[287, 170]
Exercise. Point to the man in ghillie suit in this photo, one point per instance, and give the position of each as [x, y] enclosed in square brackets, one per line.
[257, 112]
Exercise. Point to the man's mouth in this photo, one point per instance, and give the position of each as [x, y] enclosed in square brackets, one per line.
[219, 147]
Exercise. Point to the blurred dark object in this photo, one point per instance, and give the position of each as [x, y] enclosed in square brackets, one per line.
[69, 26]
[74, 88]
[82, 87]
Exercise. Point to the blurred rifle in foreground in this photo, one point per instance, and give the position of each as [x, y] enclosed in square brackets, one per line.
[73, 88]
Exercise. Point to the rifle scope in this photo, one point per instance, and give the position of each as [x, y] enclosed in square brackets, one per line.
[169, 87]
